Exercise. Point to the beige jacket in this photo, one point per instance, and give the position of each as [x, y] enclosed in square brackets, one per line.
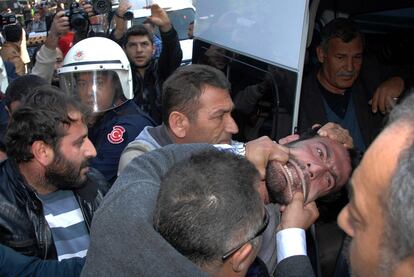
[11, 52]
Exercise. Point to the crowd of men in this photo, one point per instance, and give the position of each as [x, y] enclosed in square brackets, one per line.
[119, 162]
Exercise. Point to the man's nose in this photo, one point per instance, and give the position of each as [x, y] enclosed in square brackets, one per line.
[344, 221]
[231, 126]
[350, 64]
[316, 169]
[139, 48]
[90, 151]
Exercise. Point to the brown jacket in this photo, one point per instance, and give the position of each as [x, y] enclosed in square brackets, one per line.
[11, 52]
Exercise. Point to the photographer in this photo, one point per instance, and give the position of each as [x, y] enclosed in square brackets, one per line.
[10, 50]
[47, 54]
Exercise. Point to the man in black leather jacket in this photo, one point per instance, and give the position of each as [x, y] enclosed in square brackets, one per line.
[48, 152]
[149, 74]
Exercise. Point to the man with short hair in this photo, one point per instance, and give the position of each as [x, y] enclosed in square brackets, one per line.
[149, 74]
[380, 215]
[212, 193]
[196, 108]
[48, 192]
[338, 92]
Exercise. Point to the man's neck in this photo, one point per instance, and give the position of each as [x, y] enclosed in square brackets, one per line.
[141, 71]
[322, 80]
[32, 175]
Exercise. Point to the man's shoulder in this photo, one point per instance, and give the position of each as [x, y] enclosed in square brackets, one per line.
[130, 113]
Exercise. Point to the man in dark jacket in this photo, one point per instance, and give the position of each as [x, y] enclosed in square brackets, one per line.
[16, 264]
[149, 74]
[340, 90]
[48, 194]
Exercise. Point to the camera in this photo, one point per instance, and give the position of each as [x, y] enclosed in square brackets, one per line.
[7, 19]
[78, 18]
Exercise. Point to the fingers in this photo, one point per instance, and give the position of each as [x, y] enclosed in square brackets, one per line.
[279, 153]
[289, 139]
[298, 198]
[262, 150]
[374, 101]
[336, 132]
[298, 215]
[313, 210]
[60, 24]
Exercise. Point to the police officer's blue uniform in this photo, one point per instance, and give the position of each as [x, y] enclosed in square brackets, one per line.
[112, 133]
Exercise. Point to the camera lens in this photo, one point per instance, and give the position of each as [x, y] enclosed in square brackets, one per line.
[128, 15]
[101, 6]
[78, 22]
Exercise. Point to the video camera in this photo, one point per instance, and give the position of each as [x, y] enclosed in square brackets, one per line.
[7, 19]
[78, 18]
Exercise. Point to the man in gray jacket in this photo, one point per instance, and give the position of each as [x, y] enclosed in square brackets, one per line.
[124, 242]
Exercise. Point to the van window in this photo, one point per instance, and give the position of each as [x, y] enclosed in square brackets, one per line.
[263, 93]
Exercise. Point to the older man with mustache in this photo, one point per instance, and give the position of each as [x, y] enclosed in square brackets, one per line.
[341, 89]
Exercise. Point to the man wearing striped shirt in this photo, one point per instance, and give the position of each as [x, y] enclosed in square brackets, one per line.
[48, 193]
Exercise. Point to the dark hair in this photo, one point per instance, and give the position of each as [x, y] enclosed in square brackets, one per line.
[43, 116]
[183, 89]
[137, 30]
[12, 33]
[342, 28]
[21, 87]
[209, 204]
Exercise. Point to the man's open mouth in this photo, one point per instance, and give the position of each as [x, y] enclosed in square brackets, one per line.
[287, 179]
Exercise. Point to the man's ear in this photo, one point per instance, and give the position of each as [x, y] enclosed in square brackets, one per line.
[179, 124]
[242, 258]
[321, 54]
[42, 152]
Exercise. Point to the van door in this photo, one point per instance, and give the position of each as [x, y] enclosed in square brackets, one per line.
[260, 46]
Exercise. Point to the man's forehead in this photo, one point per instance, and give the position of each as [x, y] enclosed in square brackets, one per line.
[329, 143]
[374, 173]
[213, 98]
[137, 38]
[338, 45]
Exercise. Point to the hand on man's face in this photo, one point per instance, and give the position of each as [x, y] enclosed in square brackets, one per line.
[297, 214]
[262, 150]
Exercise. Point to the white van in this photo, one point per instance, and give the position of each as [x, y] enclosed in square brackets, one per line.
[181, 13]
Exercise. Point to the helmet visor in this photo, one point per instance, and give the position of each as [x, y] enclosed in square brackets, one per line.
[98, 90]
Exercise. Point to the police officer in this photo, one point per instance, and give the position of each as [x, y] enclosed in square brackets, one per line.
[98, 72]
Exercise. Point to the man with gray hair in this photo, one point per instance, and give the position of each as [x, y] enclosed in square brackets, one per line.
[380, 215]
[340, 89]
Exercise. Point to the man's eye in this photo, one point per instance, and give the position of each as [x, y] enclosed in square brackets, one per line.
[320, 153]
[330, 180]
[81, 84]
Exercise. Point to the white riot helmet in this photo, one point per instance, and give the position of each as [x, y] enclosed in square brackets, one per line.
[97, 70]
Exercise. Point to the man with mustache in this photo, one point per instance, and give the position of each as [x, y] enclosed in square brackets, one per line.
[48, 193]
[337, 92]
